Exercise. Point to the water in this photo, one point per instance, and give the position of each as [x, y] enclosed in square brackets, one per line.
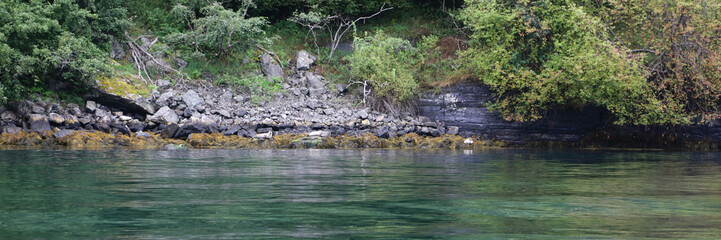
[338, 194]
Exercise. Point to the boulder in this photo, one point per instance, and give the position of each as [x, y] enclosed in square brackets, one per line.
[315, 85]
[453, 130]
[270, 67]
[304, 60]
[91, 106]
[56, 119]
[363, 114]
[165, 115]
[8, 116]
[11, 129]
[162, 84]
[39, 123]
[170, 131]
[63, 133]
[191, 98]
[191, 128]
[116, 50]
[128, 104]
[232, 130]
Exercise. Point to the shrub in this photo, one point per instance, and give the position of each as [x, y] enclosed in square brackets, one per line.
[385, 62]
[539, 54]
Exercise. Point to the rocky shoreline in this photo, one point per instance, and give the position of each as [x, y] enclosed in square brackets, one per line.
[307, 105]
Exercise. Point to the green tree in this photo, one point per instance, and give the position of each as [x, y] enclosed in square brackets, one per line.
[545, 53]
[220, 31]
[385, 63]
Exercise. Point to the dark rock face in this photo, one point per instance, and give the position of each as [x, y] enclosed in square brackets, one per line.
[138, 106]
[464, 105]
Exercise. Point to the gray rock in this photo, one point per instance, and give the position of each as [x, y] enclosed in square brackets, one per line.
[56, 119]
[329, 111]
[315, 85]
[239, 99]
[341, 88]
[223, 113]
[39, 123]
[232, 130]
[165, 115]
[181, 63]
[63, 133]
[116, 50]
[363, 114]
[226, 98]
[312, 104]
[304, 60]
[191, 98]
[162, 84]
[270, 67]
[37, 109]
[165, 98]
[169, 131]
[11, 129]
[453, 130]
[8, 116]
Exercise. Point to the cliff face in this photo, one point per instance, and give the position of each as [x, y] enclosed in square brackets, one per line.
[464, 105]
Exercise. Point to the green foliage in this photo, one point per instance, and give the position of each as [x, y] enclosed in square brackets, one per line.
[49, 44]
[538, 54]
[385, 62]
[260, 88]
[220, 31]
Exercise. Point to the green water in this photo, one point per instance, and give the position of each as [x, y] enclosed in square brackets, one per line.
[337, 194]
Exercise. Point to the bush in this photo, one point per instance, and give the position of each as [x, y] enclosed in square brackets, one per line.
[539, 54]
[219, 32]
[385, 62]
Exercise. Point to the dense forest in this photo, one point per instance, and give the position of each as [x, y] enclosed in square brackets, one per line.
[647, 62]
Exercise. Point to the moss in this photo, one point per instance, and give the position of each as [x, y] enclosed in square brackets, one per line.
[123, 86]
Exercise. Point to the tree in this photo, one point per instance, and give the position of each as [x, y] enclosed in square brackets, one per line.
[220, 31]
[337, 25]
[677, 45]
[384, 64]
[540, 54]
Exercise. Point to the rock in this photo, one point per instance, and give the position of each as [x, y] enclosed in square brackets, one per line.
[304, 60]
[423, 119]
[181, 63]
[241, 113]
[329, 111]
[226, 98]
[56, 119]
[75, 111]
[170, 131]
[63, 133]
[136, 126]
[319, 134]
[224, 113]
[365, 122]
[162, 84]
[316, 126]
[39, 123]
[8, 116]
[468, 141]
[232, 130]
[116, 50]
[341, 88]
[191, 98]
[239, 99]
[91, 106]
[315, 85]
[165, 98]
[191, 128]
[363, 114]
[268, 135]
[453, 130]
[130, 103]
[11, 129]
[85, 120]
[312, 104]
[165, 115]
[380, 118]
[269, 67]
[37, 109]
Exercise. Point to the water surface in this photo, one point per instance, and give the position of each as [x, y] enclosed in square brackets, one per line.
[272, 194]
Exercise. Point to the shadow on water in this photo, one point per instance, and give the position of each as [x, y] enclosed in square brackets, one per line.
[359, 194]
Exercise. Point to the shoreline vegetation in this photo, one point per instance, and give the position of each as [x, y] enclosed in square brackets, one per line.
[128, 73]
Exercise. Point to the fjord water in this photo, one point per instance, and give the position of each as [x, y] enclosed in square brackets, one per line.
[278, 194]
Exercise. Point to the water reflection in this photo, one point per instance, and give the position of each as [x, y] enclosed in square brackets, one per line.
[219, 194]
